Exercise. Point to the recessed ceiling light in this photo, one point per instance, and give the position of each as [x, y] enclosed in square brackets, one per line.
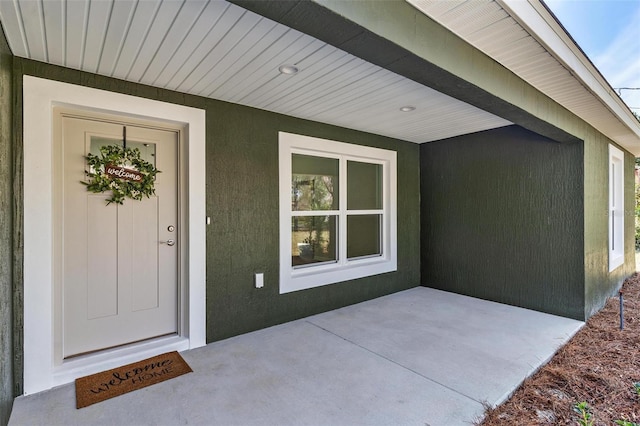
[288, 69]
[407, 108]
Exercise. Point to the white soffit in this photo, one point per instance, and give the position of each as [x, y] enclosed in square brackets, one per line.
[524, 37]
[219, 50]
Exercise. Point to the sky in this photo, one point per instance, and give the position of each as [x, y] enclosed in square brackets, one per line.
[608, 31]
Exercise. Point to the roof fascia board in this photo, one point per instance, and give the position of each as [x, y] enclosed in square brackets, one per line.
[386, 34]
[538, 21]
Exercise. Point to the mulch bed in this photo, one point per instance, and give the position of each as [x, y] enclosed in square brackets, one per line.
[599, 365]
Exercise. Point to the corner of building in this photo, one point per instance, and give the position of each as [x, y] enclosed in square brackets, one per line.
[6, 230]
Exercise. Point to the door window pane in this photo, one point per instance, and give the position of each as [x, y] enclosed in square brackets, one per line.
[314, 183]
[364, 186]
[147, 150]
[363, 235]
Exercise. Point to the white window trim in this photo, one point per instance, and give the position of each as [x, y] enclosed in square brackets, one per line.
[616, 208]
[299, 279]
[39, 98]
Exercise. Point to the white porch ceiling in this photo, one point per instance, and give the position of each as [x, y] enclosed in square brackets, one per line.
[219, 50]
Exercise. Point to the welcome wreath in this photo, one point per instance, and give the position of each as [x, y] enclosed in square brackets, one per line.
[122, 171]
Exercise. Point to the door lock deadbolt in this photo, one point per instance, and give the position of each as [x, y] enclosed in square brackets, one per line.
[171, 228]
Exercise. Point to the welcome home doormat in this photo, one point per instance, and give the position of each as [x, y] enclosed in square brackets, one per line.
[108, 384]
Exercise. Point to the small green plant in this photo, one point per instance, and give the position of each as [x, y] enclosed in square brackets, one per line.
[584, 411]
[636, 386]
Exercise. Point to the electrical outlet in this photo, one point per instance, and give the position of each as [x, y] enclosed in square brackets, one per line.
[259, 280]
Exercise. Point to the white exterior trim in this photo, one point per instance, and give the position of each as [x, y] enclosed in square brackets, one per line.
[40, 96]
[301, 279]
[538, 22]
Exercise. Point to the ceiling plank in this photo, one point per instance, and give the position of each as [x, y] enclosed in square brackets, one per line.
[55, 25]
[34, 29]
[116, 35]
[174, 38]
[98, 22]
[248, 59]
[197, 35]
[243, 31]
[265, 32]
[76, 23]
[262, 63]
[160, 27]
[14, 28]
[184, 79]
[143, 17]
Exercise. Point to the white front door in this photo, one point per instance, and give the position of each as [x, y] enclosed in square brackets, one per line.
[118, 263]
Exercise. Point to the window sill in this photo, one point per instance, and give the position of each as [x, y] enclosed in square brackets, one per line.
[616, 262]
[305, 278]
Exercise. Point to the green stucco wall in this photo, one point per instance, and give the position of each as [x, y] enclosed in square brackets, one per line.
[6, 231]
[243, 196]
[242, 201]
[502, 219]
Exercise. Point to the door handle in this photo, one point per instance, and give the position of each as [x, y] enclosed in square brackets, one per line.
[169, 242]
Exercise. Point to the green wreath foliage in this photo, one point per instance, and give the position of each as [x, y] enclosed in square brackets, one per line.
[120, 189]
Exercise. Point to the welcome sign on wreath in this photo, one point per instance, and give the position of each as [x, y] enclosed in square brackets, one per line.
[122, 171]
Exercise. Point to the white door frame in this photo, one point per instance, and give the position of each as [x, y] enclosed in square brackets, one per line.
[39, 98]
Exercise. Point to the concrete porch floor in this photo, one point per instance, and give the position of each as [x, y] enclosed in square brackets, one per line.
[418, 357]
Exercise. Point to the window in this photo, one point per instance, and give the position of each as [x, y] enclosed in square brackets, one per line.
[616, 208]
[337, 211]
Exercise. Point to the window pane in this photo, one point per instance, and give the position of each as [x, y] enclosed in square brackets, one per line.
[313, 239]
[314, 183]
[147, 150]
[364, 186]
[364, 235]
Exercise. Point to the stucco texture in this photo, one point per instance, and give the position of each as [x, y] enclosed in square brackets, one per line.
[502, 219]
[242, 193]
[6, 231]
